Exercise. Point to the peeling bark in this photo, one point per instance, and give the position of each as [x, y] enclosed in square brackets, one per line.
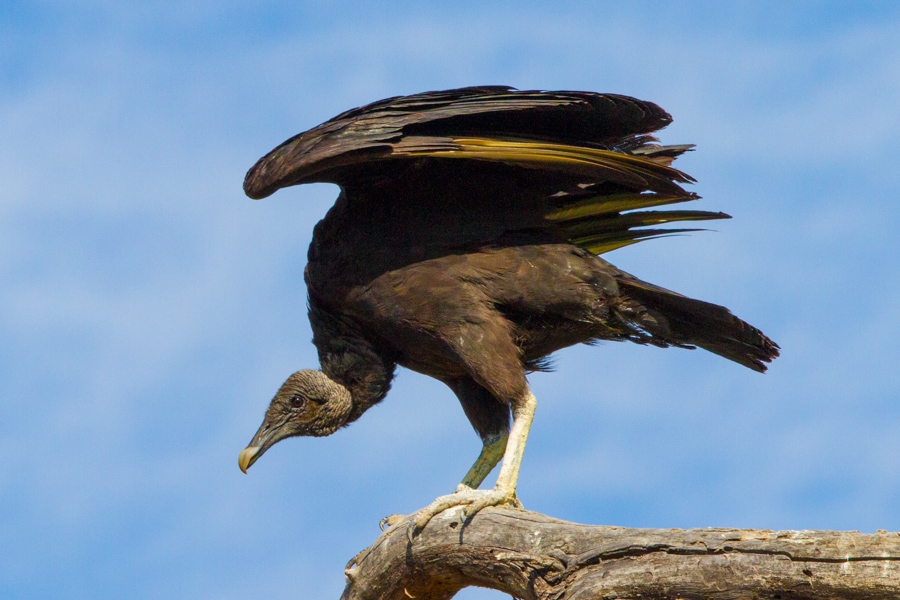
[535, 557]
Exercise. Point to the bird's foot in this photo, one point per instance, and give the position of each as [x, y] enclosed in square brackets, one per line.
[390, 520]
[473, 500]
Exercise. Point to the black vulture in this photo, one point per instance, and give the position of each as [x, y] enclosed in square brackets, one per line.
[464, 245]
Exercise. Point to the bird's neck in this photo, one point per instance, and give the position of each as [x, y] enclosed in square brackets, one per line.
[367, 381]
[350, 360]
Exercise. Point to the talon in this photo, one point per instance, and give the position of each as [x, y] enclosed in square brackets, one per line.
[390, 521]
[416, 527]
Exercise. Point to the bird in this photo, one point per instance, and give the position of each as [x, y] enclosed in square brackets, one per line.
[465, 245]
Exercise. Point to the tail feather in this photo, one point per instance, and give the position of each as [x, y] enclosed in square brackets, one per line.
[673, 319]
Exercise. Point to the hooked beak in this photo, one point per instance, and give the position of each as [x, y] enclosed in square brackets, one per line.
[262, 441]
[248, 457]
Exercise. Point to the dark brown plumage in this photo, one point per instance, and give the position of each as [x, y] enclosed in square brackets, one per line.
[464, 246]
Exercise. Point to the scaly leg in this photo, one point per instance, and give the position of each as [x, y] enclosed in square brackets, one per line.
[491, 453]
[504, 491]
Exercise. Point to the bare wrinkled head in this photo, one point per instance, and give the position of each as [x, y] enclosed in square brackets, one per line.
[309, 403]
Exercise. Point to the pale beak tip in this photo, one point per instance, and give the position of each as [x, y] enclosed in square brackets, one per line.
[247, 457]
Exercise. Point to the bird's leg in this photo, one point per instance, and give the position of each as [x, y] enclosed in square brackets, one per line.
[504, 491]
[491, 453]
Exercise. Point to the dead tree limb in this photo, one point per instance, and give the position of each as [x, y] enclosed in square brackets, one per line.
[535, 557]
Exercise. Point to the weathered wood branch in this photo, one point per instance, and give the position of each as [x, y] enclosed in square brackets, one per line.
[535, 557]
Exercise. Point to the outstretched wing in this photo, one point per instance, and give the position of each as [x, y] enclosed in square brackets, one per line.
[601, 165]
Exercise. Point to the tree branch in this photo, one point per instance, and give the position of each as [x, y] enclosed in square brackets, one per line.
[535, 557]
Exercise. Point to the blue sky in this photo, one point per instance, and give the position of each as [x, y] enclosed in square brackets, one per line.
[148, 310]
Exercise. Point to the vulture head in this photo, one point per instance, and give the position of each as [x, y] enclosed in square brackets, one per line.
[309, 403]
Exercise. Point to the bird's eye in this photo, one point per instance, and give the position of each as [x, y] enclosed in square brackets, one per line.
[297, 402]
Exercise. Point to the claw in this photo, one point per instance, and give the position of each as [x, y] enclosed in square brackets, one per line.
[390, 521]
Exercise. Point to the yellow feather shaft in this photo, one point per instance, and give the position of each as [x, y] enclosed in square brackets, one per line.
[602, 205]
[576, 158]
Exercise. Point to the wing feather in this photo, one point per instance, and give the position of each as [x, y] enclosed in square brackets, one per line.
[595, 148]
[368, 133]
